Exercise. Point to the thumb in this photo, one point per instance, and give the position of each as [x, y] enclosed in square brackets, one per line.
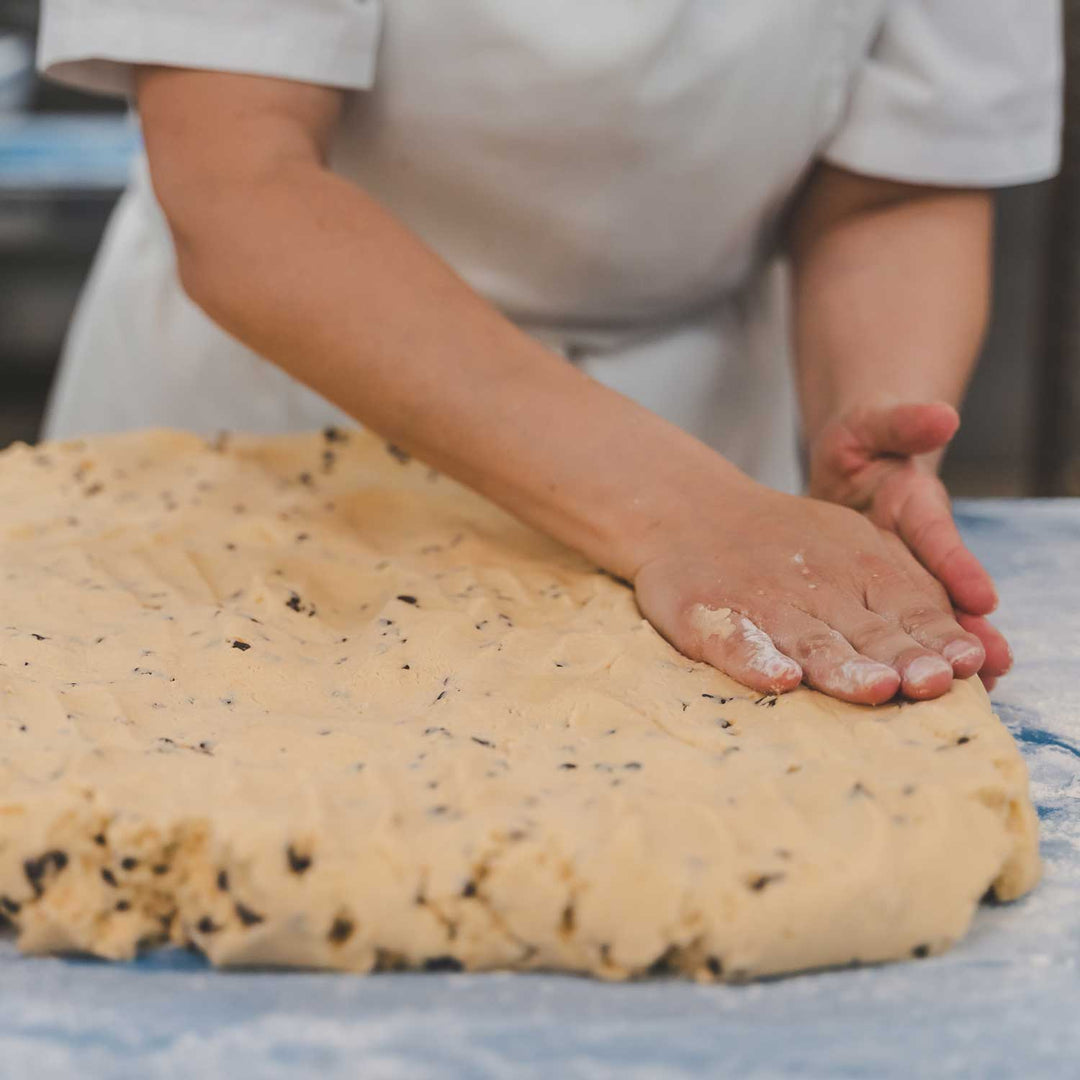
[904, 430]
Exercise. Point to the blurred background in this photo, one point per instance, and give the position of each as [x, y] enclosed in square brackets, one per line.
[64, 158]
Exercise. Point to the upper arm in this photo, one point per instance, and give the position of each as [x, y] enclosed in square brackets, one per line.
[212, 135]
[834, 195]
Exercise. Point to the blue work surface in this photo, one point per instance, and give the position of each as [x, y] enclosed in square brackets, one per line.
[1004, 1003]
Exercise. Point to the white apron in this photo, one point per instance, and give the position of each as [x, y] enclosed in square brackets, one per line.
[609, 173]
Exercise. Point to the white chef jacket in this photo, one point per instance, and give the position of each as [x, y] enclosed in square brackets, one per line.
[609, 173]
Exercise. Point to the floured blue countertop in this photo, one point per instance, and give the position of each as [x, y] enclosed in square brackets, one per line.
[1004, 1003]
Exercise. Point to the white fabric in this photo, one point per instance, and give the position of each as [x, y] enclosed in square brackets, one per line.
[958, 93]
[610, 174]
[92, 44]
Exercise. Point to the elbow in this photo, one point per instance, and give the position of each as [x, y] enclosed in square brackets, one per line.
[200, 252]
[192, 270]
[202, 216]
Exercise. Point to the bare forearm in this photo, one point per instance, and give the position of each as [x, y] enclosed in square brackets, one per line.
[317, 277]
[892, 287]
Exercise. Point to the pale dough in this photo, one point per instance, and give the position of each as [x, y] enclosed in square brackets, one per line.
[302, 701]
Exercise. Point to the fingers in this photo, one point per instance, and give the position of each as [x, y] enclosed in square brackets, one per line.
[964, 652]
[829, 662]
[924, 619]
[999, 657]
[739, 648]
[925, 523]
[904, 430]
[924, 673]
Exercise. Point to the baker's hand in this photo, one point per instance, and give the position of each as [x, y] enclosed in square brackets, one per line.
[874, 459]
[776, 589]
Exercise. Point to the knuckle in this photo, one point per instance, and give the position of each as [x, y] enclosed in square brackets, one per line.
[919, 615]
[815, 644]
[936, 524]
[878, 637]
[929, 621]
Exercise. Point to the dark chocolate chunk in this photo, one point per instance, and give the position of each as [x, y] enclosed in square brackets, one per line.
[399, 455]
[341, 929]
[443, 963]
[405, 599]
[633, 766]
[243, 646]
[298, 863]
[920, 952]
[333, 434]
[129, 862]
[293, 602]
[664, 964]
[759, 883]
[469, 890]
[36, 869]
[159, 869]
[108, 876]
[715, 966]
[123, 905]
[223, 880]
[567, 765]
[247, 916]
[482, 742]
[206, 925]
[12, 907]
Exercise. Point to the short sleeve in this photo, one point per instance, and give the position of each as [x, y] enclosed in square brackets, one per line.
[958, 92]
[93, 44]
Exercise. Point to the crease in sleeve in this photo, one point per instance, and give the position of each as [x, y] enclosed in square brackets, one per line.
[93, 44]
[956, 105]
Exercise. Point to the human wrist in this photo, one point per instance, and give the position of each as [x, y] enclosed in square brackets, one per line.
[697, 503]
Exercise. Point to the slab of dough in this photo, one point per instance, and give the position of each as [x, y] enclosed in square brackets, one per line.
[301, 701]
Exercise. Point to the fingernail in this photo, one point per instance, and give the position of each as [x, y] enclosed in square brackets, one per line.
[859, 674]
[958, 652]
[924, 668]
